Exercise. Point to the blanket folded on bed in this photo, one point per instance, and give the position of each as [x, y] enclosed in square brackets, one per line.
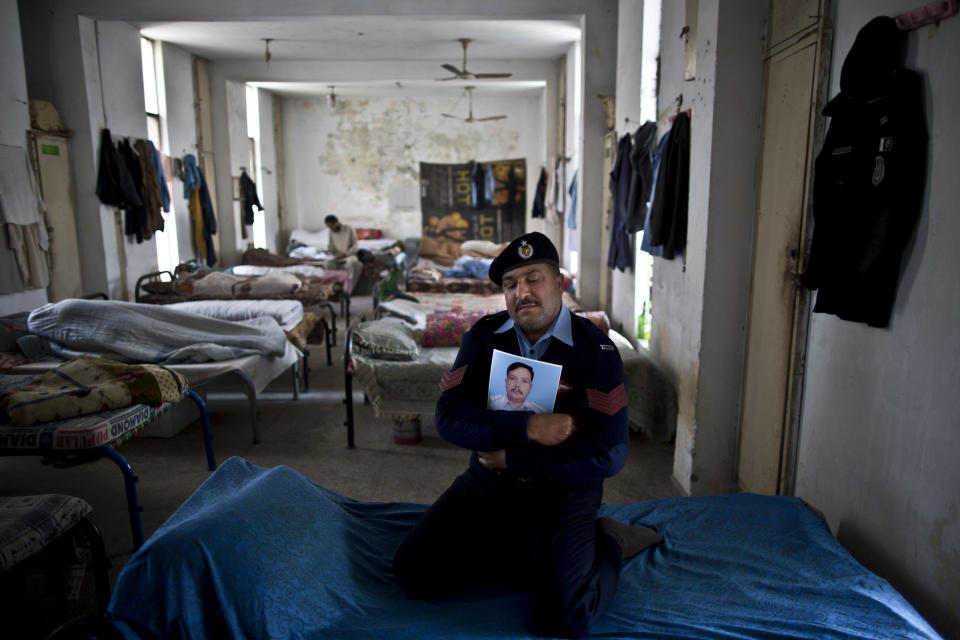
[89, 385]
[132, 332]
[267, 553]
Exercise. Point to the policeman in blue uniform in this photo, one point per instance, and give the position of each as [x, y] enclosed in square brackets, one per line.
[525, 511]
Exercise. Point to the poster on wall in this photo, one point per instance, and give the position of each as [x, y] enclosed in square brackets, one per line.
[474, 200]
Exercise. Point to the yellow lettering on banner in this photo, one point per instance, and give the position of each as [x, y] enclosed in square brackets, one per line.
[462, 187]
[487, 228]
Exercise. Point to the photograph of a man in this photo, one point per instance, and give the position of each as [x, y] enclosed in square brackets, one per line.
[518, 383]
[521, 384]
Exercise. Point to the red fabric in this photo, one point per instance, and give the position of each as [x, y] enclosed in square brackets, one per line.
[609, 402]
[451, 379]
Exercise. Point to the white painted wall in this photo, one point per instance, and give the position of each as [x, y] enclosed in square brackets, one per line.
[359, 160]
[181, 134]
[880, 430]
[699, 298]
[14, 122]
[121, 78]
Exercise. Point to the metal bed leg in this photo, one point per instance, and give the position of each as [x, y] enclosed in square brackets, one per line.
[348, 400]
[101, 565]
[205, 425]
[306, 369]
[130, 483]
[251, 392]
[328, 338]
[296, 379]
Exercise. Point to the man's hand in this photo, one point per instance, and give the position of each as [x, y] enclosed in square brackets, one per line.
[551, 429]
[493, 459]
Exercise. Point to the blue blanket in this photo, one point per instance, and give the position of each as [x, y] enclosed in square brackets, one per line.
[266, 553]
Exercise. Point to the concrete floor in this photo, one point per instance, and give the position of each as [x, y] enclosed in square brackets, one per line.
[307, 435]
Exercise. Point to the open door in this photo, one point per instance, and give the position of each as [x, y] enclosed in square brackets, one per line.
[795, 79]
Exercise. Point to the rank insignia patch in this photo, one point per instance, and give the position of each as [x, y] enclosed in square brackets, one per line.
[609, 402]
[452, 378]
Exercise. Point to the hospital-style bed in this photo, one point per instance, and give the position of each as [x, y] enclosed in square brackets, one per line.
[267, 553]
[202, 348]
[270, 290]
[95, 432]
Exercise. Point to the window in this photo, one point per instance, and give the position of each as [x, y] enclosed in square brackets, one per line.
[253, 168]
[643, 271]
[154, 98]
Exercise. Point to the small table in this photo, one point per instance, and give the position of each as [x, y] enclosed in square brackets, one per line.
[97, 435]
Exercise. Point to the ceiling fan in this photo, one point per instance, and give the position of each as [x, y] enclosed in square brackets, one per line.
[470, 118]
[463, 74]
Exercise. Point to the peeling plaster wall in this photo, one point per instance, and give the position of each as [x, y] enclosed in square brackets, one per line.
[880, 431]
[359, 159]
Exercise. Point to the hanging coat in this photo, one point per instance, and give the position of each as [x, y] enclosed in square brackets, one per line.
[150, 189]
[668, 216]
[869, 179]
[641, 175]
[161, 177]
[115, 185]
[135, 215]
[619, 253]
[539, 196]
[209, 220]
[645, 244]
[248, 198]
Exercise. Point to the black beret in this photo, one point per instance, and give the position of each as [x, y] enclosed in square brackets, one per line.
[530, 248]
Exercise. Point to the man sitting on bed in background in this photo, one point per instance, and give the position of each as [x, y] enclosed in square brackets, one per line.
[524, 513]
[343, 245]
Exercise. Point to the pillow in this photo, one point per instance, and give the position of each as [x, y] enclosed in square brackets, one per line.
[367, 233]
[598, 318]
[446, 329]
[320, 239]
[385, 339]
[485, 248]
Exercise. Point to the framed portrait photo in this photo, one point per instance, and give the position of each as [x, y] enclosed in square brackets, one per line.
[522, 384]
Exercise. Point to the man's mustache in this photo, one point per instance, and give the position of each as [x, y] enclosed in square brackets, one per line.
[525, 302]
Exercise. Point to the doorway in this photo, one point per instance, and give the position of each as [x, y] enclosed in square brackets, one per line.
[795, 81]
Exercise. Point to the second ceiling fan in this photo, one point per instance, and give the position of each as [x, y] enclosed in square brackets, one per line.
[470, 118]
[464, 74]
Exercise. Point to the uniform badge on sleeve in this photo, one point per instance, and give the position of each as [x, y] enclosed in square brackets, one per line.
[452, 378]
[607, 402]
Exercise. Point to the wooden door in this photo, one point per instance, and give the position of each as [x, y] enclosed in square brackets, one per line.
[794, 75]
[51, 157]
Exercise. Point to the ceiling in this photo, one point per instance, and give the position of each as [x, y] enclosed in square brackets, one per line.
[376, 54]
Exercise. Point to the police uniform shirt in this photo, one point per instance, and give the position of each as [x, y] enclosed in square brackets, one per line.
[559, 328]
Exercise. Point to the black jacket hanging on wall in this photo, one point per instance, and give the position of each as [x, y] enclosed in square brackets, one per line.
[115, 186]
[248, 199]
[539, 197]
[869, 179]
[619, 253]
[668, 211]
[135, 215]
[641, 175]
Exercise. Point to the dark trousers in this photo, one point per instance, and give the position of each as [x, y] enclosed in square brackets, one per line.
[489, 529]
